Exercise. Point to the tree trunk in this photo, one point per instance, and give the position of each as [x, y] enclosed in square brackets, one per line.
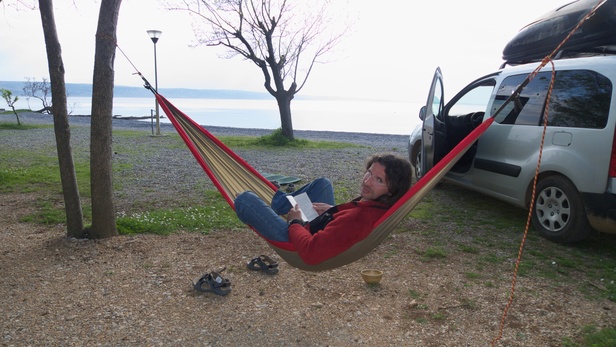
[103, 209]
[286, 122]
[72, 203]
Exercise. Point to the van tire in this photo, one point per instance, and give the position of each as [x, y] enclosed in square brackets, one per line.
[558, 213]
[415, 159]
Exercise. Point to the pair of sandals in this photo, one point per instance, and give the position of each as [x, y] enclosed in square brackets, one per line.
[213, 282]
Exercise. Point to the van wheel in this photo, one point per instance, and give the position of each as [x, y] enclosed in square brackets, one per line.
[415, 159]
[559, 214]
[418, 173]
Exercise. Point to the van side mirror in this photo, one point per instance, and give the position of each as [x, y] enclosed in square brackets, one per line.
[422, 113]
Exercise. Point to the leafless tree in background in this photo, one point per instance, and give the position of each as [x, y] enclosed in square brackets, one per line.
[285, 39]
[41, 89]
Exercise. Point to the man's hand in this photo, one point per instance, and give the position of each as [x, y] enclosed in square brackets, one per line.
[294, 213]
[321, 207]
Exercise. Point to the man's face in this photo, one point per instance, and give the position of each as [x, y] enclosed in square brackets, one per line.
[374, 183]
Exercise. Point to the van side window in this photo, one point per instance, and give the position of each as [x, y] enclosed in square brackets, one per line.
[528, 107]
[580, 99]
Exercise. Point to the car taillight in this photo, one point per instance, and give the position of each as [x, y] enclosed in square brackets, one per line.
[612, 172]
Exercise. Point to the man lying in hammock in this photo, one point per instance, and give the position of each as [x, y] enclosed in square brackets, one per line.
[337, 228]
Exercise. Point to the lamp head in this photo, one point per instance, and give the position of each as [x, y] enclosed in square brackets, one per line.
[154, 35]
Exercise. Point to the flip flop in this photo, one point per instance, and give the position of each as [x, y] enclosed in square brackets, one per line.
[263, 263]
[213, 282]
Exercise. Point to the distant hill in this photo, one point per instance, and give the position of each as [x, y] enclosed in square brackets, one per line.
[85, 90]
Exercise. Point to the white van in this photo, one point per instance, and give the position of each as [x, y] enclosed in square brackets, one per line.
[576, 182]
[576, 179]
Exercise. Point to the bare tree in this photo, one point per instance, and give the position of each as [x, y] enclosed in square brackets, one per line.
[40, 90]
[101, 181]
[284, 40]
[72, 203]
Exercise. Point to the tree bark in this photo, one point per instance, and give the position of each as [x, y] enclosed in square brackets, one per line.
[286, 121]
[70, 190]
[103, 209]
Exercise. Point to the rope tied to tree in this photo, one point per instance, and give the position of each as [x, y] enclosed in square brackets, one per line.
[147, 84]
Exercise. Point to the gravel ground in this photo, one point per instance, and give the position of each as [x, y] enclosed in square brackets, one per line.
[136, 291]
[368, 139]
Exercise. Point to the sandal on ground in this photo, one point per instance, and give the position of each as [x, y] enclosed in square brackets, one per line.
[263, 263]
[213, 282]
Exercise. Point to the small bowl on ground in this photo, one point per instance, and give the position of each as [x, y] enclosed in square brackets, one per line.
[372, 276]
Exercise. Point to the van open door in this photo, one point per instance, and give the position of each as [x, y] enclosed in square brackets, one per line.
[431, 115]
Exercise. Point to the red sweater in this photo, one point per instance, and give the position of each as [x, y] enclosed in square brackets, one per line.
[352, 223]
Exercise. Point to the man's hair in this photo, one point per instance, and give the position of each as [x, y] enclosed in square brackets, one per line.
[397, 173]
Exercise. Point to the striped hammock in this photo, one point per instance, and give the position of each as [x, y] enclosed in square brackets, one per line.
[232, 175]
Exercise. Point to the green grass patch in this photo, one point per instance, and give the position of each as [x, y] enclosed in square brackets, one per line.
[468, 249]
[472, 275]
[424, 210]
[25, 171]
[214, 215]
[415, 294]
[277, 139]
[434, 253]
[47, 213]
[593, 337]
[468, 304]
[439, 316]
[19, 110]
[268, 142]
[15, 126]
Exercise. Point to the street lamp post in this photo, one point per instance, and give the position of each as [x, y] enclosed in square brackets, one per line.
[154, 35]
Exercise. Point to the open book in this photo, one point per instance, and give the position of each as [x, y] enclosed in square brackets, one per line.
[305, 205]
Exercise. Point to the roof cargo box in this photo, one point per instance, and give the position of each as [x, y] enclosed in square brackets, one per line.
[541, 37]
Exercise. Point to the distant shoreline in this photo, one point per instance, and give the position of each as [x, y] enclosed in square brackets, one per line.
[381, 141]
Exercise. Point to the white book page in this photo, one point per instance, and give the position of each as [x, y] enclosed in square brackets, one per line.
[305, 205]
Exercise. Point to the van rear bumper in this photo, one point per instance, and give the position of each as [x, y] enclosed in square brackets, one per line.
[601, 211]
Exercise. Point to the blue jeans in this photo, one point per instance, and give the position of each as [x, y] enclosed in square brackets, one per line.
[266, 220]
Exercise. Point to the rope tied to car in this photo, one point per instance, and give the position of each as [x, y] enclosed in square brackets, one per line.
[544, 62]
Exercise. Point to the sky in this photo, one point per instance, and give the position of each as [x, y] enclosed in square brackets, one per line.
[391, 54]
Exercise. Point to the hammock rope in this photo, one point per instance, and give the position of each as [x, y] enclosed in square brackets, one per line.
[544, 62]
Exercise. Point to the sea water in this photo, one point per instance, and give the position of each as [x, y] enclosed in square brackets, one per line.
[342, 115]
